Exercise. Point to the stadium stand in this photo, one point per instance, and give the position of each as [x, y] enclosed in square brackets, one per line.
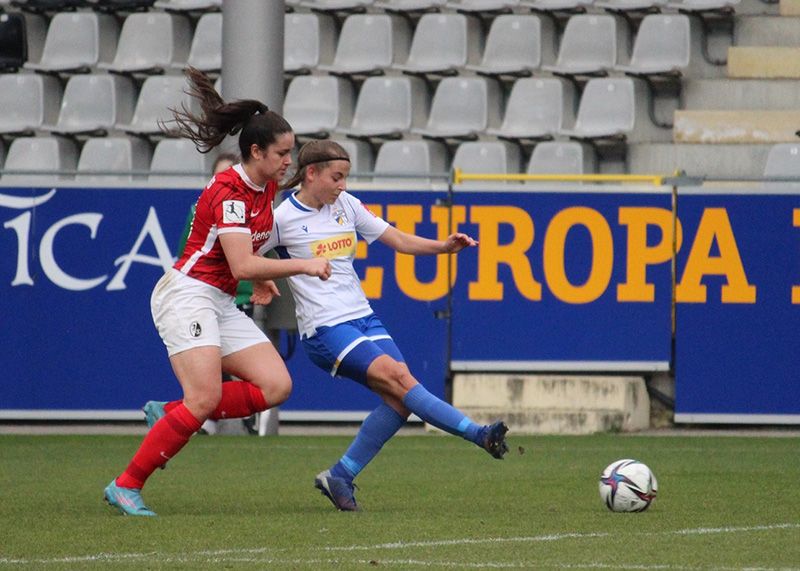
[188, 5]
[13, 42]
[591, 45]
[42, 156]
[361, 155]
[94, 104]
[410, 157]
[158, 95]
[388, 107]
[206, 51]
[783, 160]
[309, 41]
[78, 41]
[28, 102]
[516, 45]
[336, 5]
[463, 108]
[174, 158]
[492, 157]
[483, 5]
[317, 105]
[537, 108]
[111, 159]
[563, 157]
[151, 43]
[442, 44]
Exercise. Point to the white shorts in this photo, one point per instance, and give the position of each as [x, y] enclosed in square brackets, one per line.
[189, 313]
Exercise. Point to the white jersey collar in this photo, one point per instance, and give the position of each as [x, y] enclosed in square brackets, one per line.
[240, 170]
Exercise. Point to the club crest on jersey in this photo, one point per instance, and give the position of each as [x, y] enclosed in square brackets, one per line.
[339, 246]
[340, 216]
[233, 212]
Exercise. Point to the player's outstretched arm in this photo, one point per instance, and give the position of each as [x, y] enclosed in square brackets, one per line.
[406, 243]
[245, 265]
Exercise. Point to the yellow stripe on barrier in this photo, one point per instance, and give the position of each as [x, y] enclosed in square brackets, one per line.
[460, 176]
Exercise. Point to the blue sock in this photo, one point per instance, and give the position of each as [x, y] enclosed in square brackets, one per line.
[441, 414]
[381, 424]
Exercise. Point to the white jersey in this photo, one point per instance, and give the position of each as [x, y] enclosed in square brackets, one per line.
[303, 232]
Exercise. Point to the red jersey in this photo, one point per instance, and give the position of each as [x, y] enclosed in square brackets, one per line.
[231, 202]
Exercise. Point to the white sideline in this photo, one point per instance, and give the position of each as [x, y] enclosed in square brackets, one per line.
[240, 555]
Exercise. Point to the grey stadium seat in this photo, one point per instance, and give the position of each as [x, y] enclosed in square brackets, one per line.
[556, 5]
[188, 5]
[94, 104]
[28, 101]
[662, 45]
[115, 156]
[159, 94]
[309, 40]
[205, 53]
[487, 157]
[337, 5]
[783, 160]
[151, 42]
[482, 5]
[561, 157]
[591, 44]
[463, 107]
[370, 43]
[389, 107]
[45, 156]
[361, 159]
[318, 105]
[78, 41]
[409, 5]
[704, 5]
[443, 43]
[410, 158]
[517, 44]
[537, 108]
[173, 159]
[626, 5]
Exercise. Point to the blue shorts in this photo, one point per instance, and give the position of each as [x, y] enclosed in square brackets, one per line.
[348, 349]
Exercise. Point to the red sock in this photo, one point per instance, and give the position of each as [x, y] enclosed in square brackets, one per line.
[239, 400]
[164, 440]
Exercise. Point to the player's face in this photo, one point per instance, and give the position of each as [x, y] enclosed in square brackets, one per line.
[331, 181]
[274, 161]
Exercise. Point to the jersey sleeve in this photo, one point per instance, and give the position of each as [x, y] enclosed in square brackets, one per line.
[229, 208]
[367, 223]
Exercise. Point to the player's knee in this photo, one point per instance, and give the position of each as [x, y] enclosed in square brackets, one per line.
[278, 390]
[400, 378]
[204, 402]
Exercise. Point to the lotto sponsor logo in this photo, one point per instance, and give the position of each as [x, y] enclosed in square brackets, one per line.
[339, 246]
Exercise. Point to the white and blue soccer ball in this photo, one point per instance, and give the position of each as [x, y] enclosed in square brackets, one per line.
[628, 486]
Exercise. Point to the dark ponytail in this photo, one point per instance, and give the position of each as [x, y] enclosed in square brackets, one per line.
[317, 152]
[257, 124]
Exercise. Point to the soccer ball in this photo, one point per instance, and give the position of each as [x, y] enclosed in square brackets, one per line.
[628, 486]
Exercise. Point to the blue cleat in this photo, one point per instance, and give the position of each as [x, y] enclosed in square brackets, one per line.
[153, 412]
[494, 439]
[127, 500]
[338, 490]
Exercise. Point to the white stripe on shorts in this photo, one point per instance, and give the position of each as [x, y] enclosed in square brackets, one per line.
[345, 352]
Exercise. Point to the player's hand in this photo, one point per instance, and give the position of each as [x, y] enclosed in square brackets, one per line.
[264, 291]
[319, 267]
[457, 242]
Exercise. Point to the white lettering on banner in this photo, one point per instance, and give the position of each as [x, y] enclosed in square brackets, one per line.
[21, 225]
[51, 268]
[151, 228]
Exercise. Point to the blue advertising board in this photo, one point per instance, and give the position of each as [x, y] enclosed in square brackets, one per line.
[738, 307]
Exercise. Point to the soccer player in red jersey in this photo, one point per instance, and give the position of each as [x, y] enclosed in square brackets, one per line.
[193, 304]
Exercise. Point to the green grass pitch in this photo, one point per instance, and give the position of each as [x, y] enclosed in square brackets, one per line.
[429, 502]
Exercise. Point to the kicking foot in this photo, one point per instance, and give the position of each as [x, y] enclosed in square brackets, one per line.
[153, 412]
[494, 439]
[127, 500]
[337, 490]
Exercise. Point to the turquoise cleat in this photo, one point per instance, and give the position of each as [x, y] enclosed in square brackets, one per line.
[127, 500]
[153, 412]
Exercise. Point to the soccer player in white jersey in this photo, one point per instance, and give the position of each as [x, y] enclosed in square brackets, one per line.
[193, 304]
[338, 328]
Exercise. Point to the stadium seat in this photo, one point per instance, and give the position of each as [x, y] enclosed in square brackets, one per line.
[443, 43]
[2, 154]
[78, 41]
[463, 107]
[614, 108]
[516, 45]
[13, 42]
[317, 105]
[537, 108]
[188, 5]
[630, 5]
[206, 51]
[115, 158]
[590, 45]
[483, 5]
[177, 161]
[487, 157]
[361, 159]
[119, 6]
[150, 43]
[389, 107]
[783, 160]
[158, 95]
[44, 156]
[369, 44]
[28, 101]
[562, 6]
[704, 5]
[337, 5]
[561, 157]
[409, 5]
[410, 158]
[94, 104]
[309, 40]
[662, 46]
